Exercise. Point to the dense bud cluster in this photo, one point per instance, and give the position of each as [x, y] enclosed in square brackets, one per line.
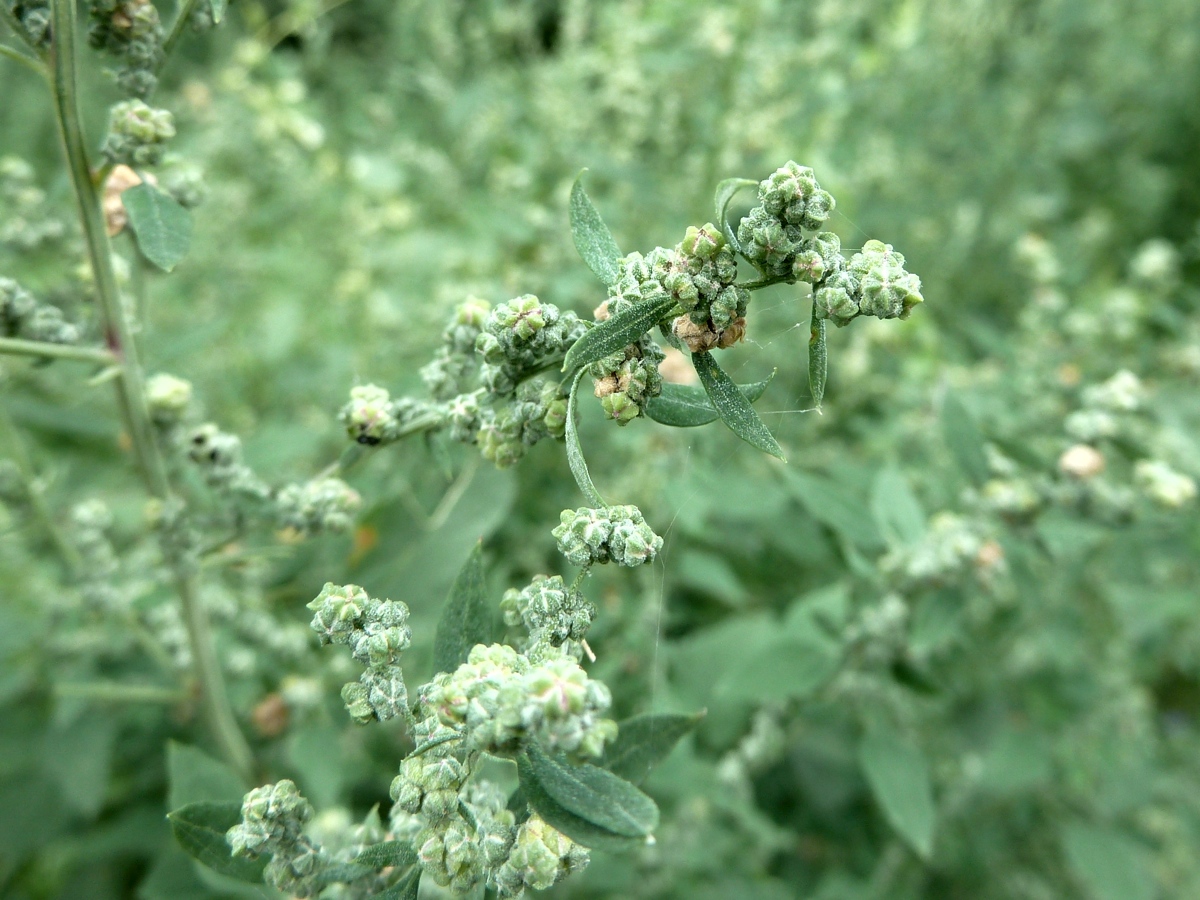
[789, 201]
[951, 545]
[873, 283]
[167, 399]
[700, 277]
[446, 374]
[540, 858]
[34, 19]
[377, 632]
[625, 380]
[218, 455]
[131, 31]
[615, 533]
[91, 521]
[29, 221]
[521, 336]
[273, 820]
[373, 417]
[537, 410]
[137, 134]
[1162, 484]
[1103, 407]
[551, 611]
[320, 505]
[499, 699]
[22, 316]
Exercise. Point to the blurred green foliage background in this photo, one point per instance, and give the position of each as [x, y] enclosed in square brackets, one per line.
[371, 163]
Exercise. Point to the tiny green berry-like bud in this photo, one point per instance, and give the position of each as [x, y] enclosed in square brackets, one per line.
[550, 610]
[618, 533]
[338, 612]
[702, 243]
[167, 398]
[618, 406]
[137, 133]
[368, 416]
[886, 290]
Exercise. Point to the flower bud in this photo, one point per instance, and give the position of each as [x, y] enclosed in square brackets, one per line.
[137, 134]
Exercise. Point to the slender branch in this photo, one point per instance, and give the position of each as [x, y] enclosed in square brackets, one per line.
[15, 26]
[118, 692]
[24, 59]
[177, 27]
[767, 282]
[131, 394]
[44, 350]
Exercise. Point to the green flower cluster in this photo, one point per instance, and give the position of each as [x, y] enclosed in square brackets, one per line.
[167, 399]
[91, 521]
[625, 380]
[131, 31]
[137, 134]
[522, 336]
[377, 632]
[499, 699]
[640, 281]
[615, 533]
[538, 409]
[789, 201]
[34, 18]
[701, 276]
[273, 820]
[446, 374]
[873, 283]
[540, 858]
[24, 317]
[372, 417]
[218, 455]
[316, 506]
[552, 612]
[29, 220]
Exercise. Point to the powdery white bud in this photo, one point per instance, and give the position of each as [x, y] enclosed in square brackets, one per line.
[539, 859]
[323, 504]
[1081, 461]
[1123, 392]
[167, 398]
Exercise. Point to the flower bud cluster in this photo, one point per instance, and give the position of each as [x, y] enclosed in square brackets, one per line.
[873, 283]
[640, 280]
[700, 274]
[521, 336]
[950, 547]
[789, 201]
[446, 374]
[167, 399]
[615, 533]
[90, 524]
[218, 455]
[540, 858]
[499, 699]
[377, 632]
[552, 612]
[24, 317]
[34, 18]
[131, 31]
[29, 221]
[537, 410]
[625, 380]
[1104, 405]
[1162, 484]
[317, 506]
[372, 417]
[137, 134]
[273, 820]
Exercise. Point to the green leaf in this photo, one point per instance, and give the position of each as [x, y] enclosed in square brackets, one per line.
[645, 741]
[831, 505]
[466, 619]
[594, 806]
[195, 777]
[895, 508]
[406, 888]
[783, 667]
[898, 774]
[818, 361]
[592, 238]
[687, 406]
[398, 854]
[218, 10]
[964, 439]
[575, 459]
[1110, 865]
[200, 830]
[735, 410]
[617, 332]
[162, 227]
[726, 191]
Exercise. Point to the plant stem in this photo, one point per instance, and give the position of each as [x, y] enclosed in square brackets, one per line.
[24, 59]
[180, 23]
[118, 692]
[131, 396]
[45, 350]
[15, 26]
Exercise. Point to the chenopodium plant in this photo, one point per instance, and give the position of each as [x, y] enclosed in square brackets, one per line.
[504, 379]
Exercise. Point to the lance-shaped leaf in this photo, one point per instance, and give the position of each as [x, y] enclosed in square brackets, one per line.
[588, 804]
[575, 459]
[818, 361]
[200, 830]
[964, 439]
[162, 227]
[592, 238]
[617, 332]
[644, 741]
[898, 774]
[389, 854]
[735, 410]
[466, 619]
[726, 191]
[218, 10]
[686, 406]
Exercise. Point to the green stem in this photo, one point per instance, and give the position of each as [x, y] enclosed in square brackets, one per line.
[44, 350]
[131, 395]
[24, 59]
[767, 282]
[177, 27]
[118, 692]
[15, 26]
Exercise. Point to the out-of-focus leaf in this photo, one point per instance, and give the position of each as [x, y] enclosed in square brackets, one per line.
[466, 617]
[898, 774]
[964, 439]
[406, 889]
[687, 405]
[1109, 864]
[194, 776]
[726, 191]
[592, 238]
[200, 830]
[163, 228]
[617, 332]
[895, 507]
[784, 666]
[644, 741]
[733, 407]
[832, 505]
